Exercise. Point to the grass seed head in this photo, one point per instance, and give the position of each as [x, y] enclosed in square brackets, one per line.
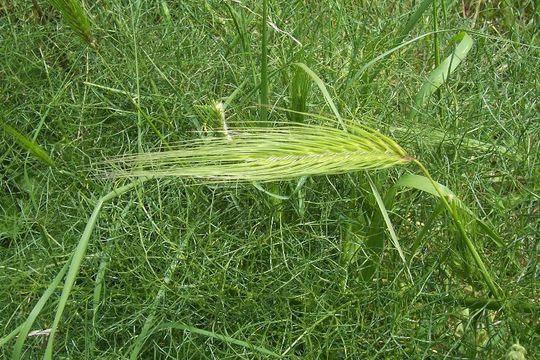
[269, 154]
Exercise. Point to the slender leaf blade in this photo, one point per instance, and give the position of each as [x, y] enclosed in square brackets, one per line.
[27, 144]
[388, 222]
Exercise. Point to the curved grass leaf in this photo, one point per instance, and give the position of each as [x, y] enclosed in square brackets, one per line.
[388, 222]
[422, 183]
[459, 212]
[318, 81]
[269, 154]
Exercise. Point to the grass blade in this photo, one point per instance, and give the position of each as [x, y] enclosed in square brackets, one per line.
[441, 73]
[27, 143]
[413, 20]
[388, 222]
[22, 330]
[299, 92]
[298, 187]
[385, 54]
[77, 258]
[452, 204]
[422, 183]
[27, 325]
[214, 335]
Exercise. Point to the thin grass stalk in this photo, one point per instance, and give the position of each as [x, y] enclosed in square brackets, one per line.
[485, 303]
[213, 335]
[239, 23]
[436, 47]
[137, 78]
[133, 98]
[389, 226]
[264, 65]
[149, 322]
[407, 28]
[444, 10]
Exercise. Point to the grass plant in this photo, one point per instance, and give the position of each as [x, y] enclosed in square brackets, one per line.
[386, 208]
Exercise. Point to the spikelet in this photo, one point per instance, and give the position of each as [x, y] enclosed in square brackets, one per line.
[268, 154]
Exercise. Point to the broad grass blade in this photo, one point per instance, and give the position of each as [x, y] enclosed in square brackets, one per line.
[441, 73]
[299, 92]
[424, 184]
[77, 258]
[461, 215]
[25, 327]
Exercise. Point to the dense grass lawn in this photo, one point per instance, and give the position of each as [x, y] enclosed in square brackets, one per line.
[331, 259]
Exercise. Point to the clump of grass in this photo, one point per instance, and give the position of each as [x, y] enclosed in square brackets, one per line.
[260, 154]
[217, 272]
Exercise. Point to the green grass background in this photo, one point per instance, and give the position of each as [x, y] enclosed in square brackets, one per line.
[252, 274]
